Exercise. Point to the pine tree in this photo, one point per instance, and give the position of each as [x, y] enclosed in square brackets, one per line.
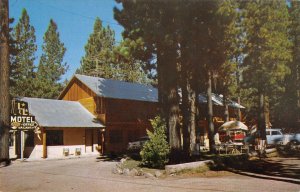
[293, 82]
[51, 66]
[287, 109]
[228, 75]
[267, 51]
[98, 59]
[130, 68]
[4, 83]
[22, 64]
[154, 23]
[155, 152]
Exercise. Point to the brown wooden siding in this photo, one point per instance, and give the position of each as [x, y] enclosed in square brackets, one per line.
[127, 119]
[89, 104]
[126, 133]
[129, 111]
[76, 91]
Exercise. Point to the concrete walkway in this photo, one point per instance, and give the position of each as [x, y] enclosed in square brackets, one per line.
[91, 174]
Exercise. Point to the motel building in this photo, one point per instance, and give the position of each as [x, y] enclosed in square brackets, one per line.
[91, 115]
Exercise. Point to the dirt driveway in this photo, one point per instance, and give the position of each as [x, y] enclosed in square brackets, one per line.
[91, 174]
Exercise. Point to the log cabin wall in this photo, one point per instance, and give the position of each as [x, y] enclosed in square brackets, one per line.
[76, 90]
[118, 110]
[126, 120]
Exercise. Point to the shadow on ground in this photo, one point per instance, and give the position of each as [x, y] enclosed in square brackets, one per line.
[277, 168]
[5, 163]
[109, 158]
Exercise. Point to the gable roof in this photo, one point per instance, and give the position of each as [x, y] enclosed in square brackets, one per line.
[218, 100]
[134, 91]
[119, 89]
[60, 113]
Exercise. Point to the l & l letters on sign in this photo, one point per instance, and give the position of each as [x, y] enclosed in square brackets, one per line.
[20, 118]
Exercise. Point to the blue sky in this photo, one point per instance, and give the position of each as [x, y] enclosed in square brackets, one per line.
[75, 20]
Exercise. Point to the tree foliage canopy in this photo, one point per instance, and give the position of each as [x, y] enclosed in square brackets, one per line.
[51, 66]
[22, 63]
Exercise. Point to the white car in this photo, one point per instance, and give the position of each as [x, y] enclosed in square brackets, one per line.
[276, 137]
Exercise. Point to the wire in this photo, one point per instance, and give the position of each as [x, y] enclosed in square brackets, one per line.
[76, 14]
[80, 15]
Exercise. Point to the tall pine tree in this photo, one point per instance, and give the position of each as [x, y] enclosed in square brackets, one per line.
[154, 23]
[267, 51]
[287, 111]
[22, 64]
[4, 83]
[51, 66]
[98, 59]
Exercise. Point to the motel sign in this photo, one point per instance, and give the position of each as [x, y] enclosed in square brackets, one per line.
[20, 118]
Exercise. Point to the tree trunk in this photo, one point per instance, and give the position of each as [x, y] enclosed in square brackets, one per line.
[173, 123]
[226, 110]
[173, 108]
[189, 116]
[4, 83]
[239, 117]
[262, 123]
[211, 129]
[185, 114]
[168, 96]
[267, 113]
[192, 119]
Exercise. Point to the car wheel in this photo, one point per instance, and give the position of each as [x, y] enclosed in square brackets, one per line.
[293, 145]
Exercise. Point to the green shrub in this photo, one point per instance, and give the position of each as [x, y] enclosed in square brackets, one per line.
[155, 152]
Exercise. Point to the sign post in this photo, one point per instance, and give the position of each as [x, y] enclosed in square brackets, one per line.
[22, 145]
[21, 120]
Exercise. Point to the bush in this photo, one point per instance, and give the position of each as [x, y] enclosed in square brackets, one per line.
[155, 152]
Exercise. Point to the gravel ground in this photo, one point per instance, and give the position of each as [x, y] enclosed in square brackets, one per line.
[91, 174]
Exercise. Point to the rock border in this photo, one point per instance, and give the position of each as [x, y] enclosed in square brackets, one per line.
[172, 169]
[121, 170]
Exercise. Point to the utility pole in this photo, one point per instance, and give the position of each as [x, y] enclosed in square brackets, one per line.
[4, 83]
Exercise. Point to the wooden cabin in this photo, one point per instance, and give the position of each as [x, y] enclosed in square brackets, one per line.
[94, 114]
[64, 128]
[124, 108]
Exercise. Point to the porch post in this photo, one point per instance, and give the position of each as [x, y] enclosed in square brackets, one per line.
[103, 141]
[44, 144]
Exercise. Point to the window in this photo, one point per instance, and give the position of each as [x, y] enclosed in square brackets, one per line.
[268, 132]
[275, 133]
[116, 136]
[29, 139]
[55, 137]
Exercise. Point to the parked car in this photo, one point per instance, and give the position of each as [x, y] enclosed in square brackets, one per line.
[277, 137]
[138, 144]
